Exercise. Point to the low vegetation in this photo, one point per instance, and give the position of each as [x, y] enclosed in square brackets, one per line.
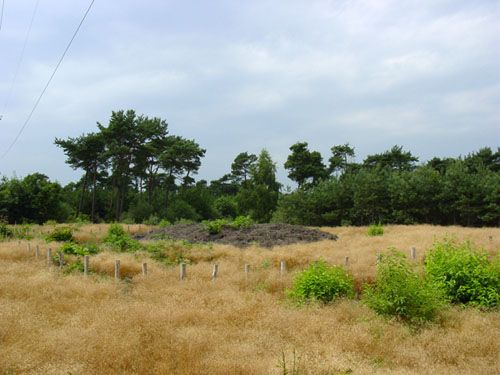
[465, 274]
[375, 230]
[58, 321]
[401, 292]
[321, 282]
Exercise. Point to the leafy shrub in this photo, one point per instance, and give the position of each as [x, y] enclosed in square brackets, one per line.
[242, 222]
[75, 249]
[465, 274]
[169, 252]
[118, 239]
[215, 226]
[402, 293]
[164, 223]
[152, 220]
[321, 282]
[62, 234]
[5, 231]
[50, 222]
[376, 230]
[23, 232]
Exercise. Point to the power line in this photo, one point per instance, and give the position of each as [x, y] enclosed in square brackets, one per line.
[48, 82]
[21, 57]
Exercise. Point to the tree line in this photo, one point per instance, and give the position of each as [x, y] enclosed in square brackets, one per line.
[134, 170]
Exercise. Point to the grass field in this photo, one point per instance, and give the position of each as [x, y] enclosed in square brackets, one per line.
[51, 323]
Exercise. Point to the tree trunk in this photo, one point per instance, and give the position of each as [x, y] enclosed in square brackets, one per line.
[84, 187]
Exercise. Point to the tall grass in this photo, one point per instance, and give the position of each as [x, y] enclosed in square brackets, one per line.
[56, 324]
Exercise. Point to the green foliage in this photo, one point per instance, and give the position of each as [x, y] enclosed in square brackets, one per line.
[305, 166]
[376, 230]
[215, 226]
[164, 223]
[152, 220]
[119, 240]
[61, 234]
[72, 248]
[321, 282]
[5, 231]
[401, 292]
[225, 206]
[169, 252]
[24, 231]
[241, 222]
[465, 274]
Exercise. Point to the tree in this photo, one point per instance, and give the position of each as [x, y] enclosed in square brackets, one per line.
[88, 153]
[395, 159]
[305, 166]
[241, 166]
[339, 160]
[259, 196]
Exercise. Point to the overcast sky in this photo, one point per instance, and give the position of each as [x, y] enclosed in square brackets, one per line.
[245, 75]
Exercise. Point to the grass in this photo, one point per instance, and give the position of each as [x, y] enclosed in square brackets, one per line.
[56, 324]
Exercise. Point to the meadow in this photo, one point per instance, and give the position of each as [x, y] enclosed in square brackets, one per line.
[52, 322]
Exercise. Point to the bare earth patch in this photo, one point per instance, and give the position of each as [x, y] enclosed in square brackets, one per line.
[265, 235]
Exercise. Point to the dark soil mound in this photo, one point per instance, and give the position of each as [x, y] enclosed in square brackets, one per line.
[266, 235]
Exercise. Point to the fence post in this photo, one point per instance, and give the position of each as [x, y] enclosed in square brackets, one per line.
[85, 265]
[247, 269]
[215, 271]
[346, 261]
[61, 259]
[117, 269]
[29, 246]
[379, 258]
[144, 269]
[282, 267]
[413, 253]
[49, 257]
[182, 271]
[37, 251]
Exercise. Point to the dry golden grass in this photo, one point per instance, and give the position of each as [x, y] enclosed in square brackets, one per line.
[52, 323]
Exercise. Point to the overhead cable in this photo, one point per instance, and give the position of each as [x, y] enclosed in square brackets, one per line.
[48, 82]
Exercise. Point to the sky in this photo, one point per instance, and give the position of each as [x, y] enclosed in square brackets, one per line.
[241, 76]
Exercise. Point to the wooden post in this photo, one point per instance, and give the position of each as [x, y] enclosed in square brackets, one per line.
[117, 269]
[144, 269]
[49, 257]
[29, 246]
[413, 253]
[346, 261]
[379, 258]
[282, 267]
[247, 269]
[37, 251]
[215, 271]
[61, 259]
[85, 265]
[183, 274]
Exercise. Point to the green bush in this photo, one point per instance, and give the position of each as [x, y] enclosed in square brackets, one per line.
[119, 240]
[401, 292]
[242, 222]
[164, 223]
[62, 234]
[152, 220]
[75, 249]
[321, 282]
[465, 274]
[375, 230]
[5, 231]
[215, 226]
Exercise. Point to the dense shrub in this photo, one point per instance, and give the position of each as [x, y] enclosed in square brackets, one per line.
[242, 222]
[119, 240]
[75, 249]
[321, 282]
[63, 234]
[5, 231]
[375, 230]
[466, 275]
[215, 226]
[401, 292]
